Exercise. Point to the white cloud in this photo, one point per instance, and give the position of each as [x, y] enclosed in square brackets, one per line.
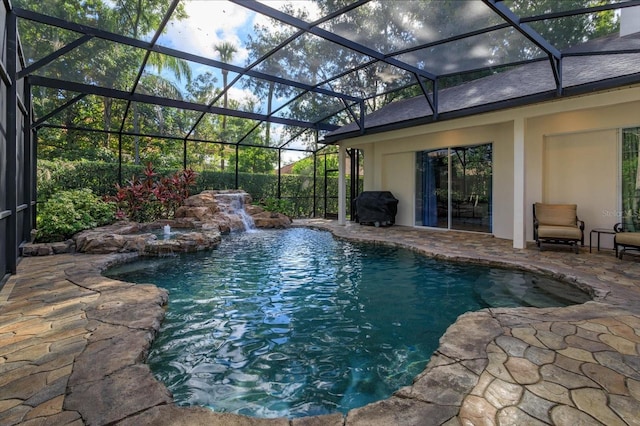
[243, 95]
[210, 22]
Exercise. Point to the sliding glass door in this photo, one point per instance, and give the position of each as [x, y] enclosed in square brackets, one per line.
[630, 179]
[454, 188]
[432, 188]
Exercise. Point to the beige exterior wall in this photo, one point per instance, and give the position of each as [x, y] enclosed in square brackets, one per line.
[597, 130]
[578, 165]
[399, 178]
[567, 142]
[394, 168]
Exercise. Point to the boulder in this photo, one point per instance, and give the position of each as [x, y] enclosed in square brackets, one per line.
[203, 199]
[208, 214]
[183, 243]
[101, 241]
[202, 213]
[267, 219]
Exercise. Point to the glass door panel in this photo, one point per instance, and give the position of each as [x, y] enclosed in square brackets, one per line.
[471, 188]
[432, 188]
[453, 188]
[630, 179]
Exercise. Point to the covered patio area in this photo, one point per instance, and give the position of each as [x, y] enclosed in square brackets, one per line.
[73, 343]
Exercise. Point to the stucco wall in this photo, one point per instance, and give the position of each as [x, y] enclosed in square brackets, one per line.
[399, 178]
[582, 168]
[594, 131]
[390, 166]
[582, 145]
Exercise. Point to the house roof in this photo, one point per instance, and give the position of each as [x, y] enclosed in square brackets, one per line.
[524, 84]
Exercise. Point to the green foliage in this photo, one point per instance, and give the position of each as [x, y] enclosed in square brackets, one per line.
[55, 176]
[69, 212]
[281, 205]
[99, 177]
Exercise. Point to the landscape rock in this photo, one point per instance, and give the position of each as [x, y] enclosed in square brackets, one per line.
[271, 220]
[46, 249]
[206, 216]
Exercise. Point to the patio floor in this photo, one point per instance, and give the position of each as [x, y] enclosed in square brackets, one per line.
[72, 345]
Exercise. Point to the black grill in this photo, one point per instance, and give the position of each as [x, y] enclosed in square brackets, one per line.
[376, 208]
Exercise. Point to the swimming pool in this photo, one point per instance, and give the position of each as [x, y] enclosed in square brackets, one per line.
[295, 323]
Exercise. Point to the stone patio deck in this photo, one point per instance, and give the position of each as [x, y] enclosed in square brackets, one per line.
[72, 346]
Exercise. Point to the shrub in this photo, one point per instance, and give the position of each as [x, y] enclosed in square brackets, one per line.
[56, 176]
[69, 212]
[154, 197]
[281, 205]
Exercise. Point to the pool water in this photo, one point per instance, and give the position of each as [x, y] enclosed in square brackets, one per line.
[295, 323]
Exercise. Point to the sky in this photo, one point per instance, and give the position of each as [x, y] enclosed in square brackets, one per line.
[211, 22]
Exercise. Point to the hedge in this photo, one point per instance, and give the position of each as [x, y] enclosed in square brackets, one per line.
[101, 177]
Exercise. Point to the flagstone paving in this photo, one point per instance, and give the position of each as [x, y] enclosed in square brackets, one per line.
[73, 345]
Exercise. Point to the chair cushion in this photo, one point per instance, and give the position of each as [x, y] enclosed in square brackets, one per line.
[556, 214]
[566, 232]
[628, 238]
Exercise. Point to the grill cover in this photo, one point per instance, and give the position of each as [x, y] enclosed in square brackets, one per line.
[377, 208]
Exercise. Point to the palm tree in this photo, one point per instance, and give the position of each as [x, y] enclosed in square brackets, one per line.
[225, 50]
[157, 85]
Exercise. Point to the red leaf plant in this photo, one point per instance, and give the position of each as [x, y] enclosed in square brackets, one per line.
[155, 197]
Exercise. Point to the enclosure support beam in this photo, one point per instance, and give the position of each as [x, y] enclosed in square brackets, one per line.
[519, 178]
[89, 89]
[120, 159]
[279, 173]
[342, 187]
[237, 166]
[34, 173]
[12, 144]
[29, 159]
[184, 155]
[315, 181]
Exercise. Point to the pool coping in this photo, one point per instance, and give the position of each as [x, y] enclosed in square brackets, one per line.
[105, 379]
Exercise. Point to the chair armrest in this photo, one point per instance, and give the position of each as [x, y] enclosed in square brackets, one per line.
[617, 227]
[580, 223]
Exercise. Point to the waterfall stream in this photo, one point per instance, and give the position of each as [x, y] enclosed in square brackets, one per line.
[237, 207]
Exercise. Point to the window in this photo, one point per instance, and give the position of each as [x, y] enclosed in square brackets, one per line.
[454, 188]
[630, 179]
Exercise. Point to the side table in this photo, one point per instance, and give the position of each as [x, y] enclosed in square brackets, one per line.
[600, 231]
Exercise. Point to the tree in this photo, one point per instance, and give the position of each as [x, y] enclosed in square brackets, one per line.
[252, 158]
[393, 26]
[268, 37]
[154, 84]
[202, 89]
[225, 50]
[96, 62]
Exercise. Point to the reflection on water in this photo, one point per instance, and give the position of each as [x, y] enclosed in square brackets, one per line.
[295, 323]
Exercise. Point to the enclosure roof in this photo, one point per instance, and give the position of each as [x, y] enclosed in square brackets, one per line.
[581, 74]
[298, 75]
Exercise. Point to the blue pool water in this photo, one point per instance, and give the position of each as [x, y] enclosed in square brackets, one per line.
[295, 323]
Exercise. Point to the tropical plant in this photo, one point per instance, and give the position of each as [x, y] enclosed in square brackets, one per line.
[154, 196]
[69, 212]
[225, 50]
